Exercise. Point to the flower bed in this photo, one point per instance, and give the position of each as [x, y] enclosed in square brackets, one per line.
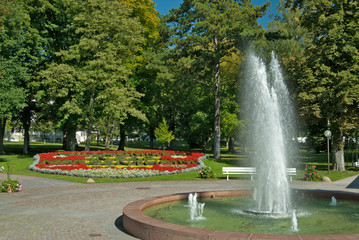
[117, 164]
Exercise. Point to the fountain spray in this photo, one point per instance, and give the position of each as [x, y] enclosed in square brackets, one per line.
[268, 107]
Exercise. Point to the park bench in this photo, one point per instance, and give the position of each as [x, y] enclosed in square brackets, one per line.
[252, 171]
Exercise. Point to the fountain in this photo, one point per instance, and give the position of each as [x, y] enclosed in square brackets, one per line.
[294, 222]
[270, 203]
[268, 108]
[333, 202]
[196, 208]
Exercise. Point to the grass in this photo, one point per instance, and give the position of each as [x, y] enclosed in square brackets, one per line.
[19, 163]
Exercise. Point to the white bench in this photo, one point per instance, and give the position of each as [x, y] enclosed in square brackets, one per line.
[252, 171]
[239, 170]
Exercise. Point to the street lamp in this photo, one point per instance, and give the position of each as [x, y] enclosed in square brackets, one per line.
[328, 134]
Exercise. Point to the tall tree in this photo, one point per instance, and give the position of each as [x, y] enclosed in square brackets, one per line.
[288, 38]
[143, 77]
[203, 33]
[330, 91]
[37, 44]
[14, 23]
[108, 43]
[40, 33]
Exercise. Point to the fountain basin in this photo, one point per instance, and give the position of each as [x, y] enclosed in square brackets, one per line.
[145, 227]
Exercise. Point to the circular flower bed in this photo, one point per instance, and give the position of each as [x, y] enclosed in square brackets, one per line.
[117, 164]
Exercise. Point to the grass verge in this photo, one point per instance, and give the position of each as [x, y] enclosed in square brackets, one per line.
[19, 164]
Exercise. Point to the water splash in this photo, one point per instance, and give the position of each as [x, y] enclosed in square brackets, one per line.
[333, 202]
[294, 222]
[196, 208]
[268, 108]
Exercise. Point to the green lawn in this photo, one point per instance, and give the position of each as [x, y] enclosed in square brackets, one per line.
[19, 163]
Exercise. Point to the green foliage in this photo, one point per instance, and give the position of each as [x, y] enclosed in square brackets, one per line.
[328, 87]
[333, 57]
[200, 129]
[287, 38]
[90, 80]
[311, 173]
[207, 173]
[206, 33]
[146, 12]
[13, 70]
[10, 185]
[230, 124]
[163, 134]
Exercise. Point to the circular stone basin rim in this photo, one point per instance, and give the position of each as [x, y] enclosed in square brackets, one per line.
[144, 227]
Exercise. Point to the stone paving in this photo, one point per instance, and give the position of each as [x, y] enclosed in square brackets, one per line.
[57, 209]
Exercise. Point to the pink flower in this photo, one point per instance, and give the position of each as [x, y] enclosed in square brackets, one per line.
[305, 169]
[314, 166]
[311, 179]
[310, 173]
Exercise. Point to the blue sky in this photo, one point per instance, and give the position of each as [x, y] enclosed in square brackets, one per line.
[163, 7]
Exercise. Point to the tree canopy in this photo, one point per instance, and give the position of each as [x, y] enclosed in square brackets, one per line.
[118, 66]
[203, 34]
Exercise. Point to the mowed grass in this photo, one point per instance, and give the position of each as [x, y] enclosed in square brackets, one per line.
[19, 163]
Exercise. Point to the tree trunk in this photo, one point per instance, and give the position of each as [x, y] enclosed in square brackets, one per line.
[89, 126]
[121, 145]
[356, 147]
[339, 164]
[231, 145]
[108, 133]
[2, 132]
[111, 134]
[88, 135]
[98, 137]
[338, 149]
[26, 125]
[69, 130]
[152, 136]
[204, 145]
[217, 114]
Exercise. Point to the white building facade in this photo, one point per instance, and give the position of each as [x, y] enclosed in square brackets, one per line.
[37, 136]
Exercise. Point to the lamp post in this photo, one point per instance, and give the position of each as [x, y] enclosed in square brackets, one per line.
[328, 134]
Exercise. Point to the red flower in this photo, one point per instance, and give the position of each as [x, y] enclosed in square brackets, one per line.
[184, 157]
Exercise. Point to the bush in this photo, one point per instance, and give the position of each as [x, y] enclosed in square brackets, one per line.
[10, 185]
[311, 173]
[207, 173]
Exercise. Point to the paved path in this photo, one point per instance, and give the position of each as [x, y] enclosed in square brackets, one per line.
[55, 209]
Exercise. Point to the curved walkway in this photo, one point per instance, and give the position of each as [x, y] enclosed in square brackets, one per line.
[57, 209]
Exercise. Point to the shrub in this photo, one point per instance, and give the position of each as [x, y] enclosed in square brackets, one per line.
[10, 185]
[207, 173]
[311, 173]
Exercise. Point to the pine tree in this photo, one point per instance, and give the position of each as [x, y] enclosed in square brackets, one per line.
[163, 134]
